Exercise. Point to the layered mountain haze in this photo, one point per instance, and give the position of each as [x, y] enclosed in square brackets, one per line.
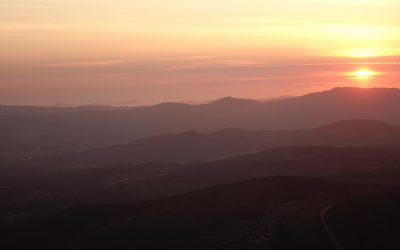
[231, 174]
[76, 131]
[194, 146]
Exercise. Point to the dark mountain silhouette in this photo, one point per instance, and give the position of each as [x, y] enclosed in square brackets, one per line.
[194, 146]
[278, 213]
[298, 161]
[152, 180]
[35, 134]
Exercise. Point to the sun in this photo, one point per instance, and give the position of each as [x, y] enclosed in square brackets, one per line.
[363, 74]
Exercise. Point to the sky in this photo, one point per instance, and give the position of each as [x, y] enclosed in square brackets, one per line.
[120, 52]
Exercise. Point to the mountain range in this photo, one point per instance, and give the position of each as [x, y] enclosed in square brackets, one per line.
[38, 134]
[194, 146]
[320, 171]
[158, 179]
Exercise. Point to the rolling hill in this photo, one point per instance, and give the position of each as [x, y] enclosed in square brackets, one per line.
[278, 213]
[195, 146]
[158, 179]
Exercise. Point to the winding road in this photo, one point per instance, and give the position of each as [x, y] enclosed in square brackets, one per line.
[323, 213]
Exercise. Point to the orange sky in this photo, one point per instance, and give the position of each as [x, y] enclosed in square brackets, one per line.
[87, 51]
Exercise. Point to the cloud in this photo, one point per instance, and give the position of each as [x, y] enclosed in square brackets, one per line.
[85, 64]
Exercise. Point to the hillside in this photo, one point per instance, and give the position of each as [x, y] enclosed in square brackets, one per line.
[158, 179]
[272, 213]
[195, 146]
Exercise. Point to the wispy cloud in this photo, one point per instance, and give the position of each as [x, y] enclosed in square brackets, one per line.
[85, 64]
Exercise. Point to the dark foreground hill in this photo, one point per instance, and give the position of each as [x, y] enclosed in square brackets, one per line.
[153, 180]
[38, 134]
[278, 213]
[194, 146]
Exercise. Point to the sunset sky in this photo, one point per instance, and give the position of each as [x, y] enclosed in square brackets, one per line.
[143, 52]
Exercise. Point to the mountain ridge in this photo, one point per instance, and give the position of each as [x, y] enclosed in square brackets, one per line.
[192, 145]
[78, 131]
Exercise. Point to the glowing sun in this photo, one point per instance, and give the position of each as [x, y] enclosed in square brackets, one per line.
[363, 74]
